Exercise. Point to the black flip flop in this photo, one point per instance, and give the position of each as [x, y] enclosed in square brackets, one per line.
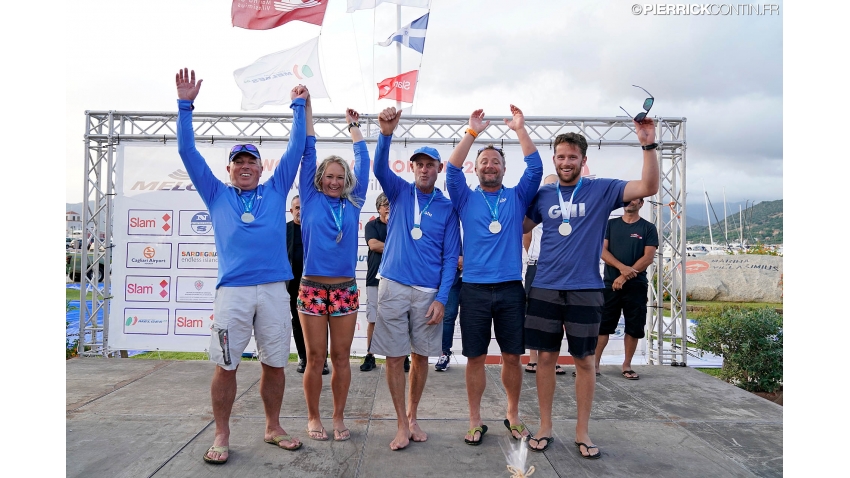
[482, 429]
[531, 364]
[589, 447]
[630, 372]
[549, 441]
[597, 374]
[515, 428]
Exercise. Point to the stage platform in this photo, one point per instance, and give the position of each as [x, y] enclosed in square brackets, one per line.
[147, 418]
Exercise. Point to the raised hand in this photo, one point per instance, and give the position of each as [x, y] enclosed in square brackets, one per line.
[518, 120]
[388, 120]
[187, 89]
[299, 91]
[476, 121]
[645, 131]
[352, 116]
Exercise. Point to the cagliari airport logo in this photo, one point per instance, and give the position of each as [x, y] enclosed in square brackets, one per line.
[148, 255]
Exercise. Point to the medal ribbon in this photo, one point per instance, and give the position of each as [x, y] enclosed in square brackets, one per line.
[337, 220]
[417, 216]
[494, 212]
[567, 208]
[247, 206]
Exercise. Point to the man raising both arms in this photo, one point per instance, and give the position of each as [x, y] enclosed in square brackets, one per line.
[250, 237]
[417, 272]
[492, 291]
[566, 293]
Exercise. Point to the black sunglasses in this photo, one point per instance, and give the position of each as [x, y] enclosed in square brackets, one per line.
[647, 104]
[244, 148]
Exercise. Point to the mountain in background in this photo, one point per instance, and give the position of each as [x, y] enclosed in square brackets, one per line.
[761, 223]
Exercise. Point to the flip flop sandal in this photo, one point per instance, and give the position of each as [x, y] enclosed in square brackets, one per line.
[549, 441]
[482, 430]
[531, 364]
[341, 434]
[598, 374]
[588, 447]
[216, 449]
[322, 432]
[275, 440]
[515, 428]
[626, 374]
[559, 370]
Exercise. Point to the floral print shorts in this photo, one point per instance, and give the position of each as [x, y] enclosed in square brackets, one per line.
[315, 298]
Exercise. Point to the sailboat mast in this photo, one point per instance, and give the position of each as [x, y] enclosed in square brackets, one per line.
[725, 222]
[708, 216]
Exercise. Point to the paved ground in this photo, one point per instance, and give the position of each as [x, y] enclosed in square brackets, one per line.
[143, 418]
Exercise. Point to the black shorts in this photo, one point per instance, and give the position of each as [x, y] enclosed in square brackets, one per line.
[501, 305]
[631, 300]
[553, 312]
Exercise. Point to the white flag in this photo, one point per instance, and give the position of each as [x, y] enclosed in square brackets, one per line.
[367, 4]
[269, 80]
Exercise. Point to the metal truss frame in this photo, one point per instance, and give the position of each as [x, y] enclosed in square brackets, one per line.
[106, 129]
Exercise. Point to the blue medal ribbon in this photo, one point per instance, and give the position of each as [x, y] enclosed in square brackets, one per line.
[494, 212]
[566, 209]
[337, 220]
[247, 206]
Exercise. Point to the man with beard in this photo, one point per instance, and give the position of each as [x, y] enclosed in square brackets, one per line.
[375, 234]
[629, 248]
[492, 291]
[566, 293]
[417, 272]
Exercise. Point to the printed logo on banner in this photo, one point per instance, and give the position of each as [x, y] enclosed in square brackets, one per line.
[195, 223]
[197, 256]
[149, 222]
[147, 255]
[178, 180]
[146, 321]
[196, 289]
[193, 321]
[147, 289]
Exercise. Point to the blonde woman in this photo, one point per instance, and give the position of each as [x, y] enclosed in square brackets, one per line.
[328, 299]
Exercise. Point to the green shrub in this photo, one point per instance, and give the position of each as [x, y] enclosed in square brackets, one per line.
[70, 348]
[750, 342]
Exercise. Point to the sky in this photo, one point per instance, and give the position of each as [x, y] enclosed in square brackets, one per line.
[552, 58]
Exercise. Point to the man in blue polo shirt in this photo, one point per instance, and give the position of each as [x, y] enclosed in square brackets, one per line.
[250, 238]
[566, 293]
[492, 291]
[417, 271]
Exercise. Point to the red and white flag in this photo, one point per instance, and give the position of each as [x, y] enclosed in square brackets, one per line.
[251, 15]
[399, 88]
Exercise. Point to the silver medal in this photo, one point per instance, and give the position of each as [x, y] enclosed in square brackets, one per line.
[339, 237]
[495, 227]
[416, 233]
[247, 217]
[565, 229]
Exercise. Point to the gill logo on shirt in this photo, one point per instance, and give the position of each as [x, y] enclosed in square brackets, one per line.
[576, 211]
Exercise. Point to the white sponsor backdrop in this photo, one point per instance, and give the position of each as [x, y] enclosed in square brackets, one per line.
[164, 265]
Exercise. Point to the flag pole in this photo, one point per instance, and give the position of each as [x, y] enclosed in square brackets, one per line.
[398, 49]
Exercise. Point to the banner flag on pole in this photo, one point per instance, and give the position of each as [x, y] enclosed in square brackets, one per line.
[367, 4]
[411, 35]
[249, 15]
[399, 88]
[269, 80]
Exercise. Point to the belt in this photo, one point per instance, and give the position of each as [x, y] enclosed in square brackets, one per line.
[532, 262]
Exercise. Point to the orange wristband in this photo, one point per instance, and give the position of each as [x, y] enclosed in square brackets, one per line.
[472, 132]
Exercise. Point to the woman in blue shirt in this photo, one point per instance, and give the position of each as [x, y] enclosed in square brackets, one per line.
[328, 299]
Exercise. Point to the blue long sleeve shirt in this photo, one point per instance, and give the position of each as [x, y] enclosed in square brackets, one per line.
[430, 261]
[248, 253]
[323, 256]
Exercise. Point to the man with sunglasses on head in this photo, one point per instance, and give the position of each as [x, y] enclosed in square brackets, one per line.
[566, 292]
[492, 292]
[417, 271]
[253, 267]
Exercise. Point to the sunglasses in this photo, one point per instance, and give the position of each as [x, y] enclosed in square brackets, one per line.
[499, 150]
[647, 104]
[244, 148]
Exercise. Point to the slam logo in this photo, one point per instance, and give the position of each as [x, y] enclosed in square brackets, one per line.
[179, 182]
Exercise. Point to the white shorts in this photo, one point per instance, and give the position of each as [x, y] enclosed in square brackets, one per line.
[371, 303]
[401, 326]
[263, 309]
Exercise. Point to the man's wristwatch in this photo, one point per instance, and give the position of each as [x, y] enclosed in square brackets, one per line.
[649, 146]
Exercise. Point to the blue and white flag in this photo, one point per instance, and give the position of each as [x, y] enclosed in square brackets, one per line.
[411, 35]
